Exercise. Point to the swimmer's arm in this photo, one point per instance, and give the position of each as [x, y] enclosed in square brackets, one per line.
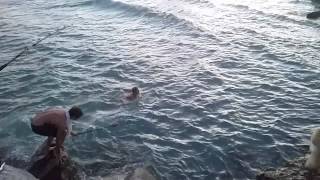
[127, 90]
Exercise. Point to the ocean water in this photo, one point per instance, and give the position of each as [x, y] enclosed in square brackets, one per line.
[228, 87]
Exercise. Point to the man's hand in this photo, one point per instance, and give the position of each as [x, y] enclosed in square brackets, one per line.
[57, 152]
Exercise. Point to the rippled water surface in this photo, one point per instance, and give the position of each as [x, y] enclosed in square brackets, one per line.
[228, 87]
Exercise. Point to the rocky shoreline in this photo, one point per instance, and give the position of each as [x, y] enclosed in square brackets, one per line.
[44, 166]
[292, 170]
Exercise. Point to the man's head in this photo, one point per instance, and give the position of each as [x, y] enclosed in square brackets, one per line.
[135, 91]
[75, 113]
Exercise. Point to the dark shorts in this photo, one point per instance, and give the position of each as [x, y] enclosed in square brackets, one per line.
[45, 130]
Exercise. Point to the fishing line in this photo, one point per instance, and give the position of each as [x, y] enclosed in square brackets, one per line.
[96, 129]
[33, 45]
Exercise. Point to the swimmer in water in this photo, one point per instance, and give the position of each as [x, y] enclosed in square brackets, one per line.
[134, 94]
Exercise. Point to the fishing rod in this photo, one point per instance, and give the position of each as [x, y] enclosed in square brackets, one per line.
[33, 45]
[92, 130]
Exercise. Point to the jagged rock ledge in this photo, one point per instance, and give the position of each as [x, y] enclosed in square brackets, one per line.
[292, 170]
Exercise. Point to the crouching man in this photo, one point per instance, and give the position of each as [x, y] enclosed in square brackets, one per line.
[55, 123]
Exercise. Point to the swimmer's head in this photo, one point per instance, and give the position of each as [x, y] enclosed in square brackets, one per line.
[135, 91]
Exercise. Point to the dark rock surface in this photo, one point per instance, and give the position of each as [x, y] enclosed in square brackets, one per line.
[45, 166]
[293, 170]
[313, 15]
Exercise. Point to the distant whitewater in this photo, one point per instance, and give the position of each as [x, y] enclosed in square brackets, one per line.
[227, 87]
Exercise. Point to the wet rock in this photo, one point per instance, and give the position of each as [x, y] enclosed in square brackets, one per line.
[313, 15]
[45, 166]
[12, 173]
[292, 170]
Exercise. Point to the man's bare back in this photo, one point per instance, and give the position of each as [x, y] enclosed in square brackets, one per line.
[56, 117]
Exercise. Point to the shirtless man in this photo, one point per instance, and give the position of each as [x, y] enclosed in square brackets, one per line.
[55, 123]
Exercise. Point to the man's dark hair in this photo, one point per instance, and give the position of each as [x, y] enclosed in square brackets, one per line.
[75, 112]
